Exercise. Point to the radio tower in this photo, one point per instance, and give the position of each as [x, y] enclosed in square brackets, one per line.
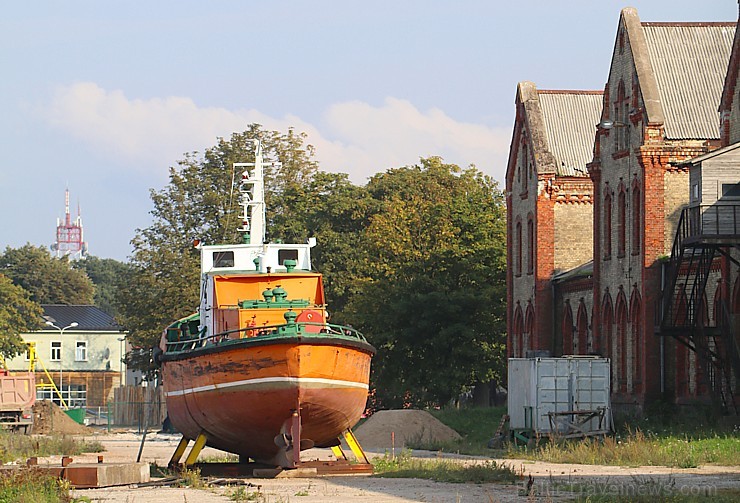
[69, 235]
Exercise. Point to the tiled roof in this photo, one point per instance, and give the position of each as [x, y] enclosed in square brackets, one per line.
[570, 119]
[689, 61]
[88, 317]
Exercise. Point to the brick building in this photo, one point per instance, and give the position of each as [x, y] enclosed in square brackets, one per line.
[659, 110]
[549, 205]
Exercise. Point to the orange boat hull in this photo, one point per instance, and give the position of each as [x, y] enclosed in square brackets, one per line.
[244, 395]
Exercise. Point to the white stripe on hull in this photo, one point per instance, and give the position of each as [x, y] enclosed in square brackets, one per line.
[267, 380]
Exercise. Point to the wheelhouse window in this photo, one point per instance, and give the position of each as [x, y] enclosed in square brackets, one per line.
[223, 259]
[284, 255]
[56, 351]
[81, 351]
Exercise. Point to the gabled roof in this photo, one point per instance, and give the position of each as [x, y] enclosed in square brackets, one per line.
[88, 317]
[690, 63]
[570, 119]
[681, 70]
[561, 125]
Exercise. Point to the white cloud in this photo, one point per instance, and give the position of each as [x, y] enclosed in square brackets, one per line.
[357, 138]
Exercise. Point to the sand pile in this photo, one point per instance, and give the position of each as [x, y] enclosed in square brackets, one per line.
[48, 418]
[417, 426]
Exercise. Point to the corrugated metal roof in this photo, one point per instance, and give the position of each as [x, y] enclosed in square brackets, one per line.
[570, 124]
[690, 62]
[88, 317]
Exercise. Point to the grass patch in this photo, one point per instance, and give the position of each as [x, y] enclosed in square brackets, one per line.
[14, 447]
[638, 449]
[664, 436]
[442, 470]
[32, 486]
[476, 425]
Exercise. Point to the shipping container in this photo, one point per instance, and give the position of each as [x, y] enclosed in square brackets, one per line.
[567, 397]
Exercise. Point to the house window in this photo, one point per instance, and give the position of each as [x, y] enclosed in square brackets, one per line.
[530, 246]
[731, 190]
[621, 223]
[81, 351]
[56, 351]
[608, 225]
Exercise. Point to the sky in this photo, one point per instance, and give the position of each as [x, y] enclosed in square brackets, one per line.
[103, 98]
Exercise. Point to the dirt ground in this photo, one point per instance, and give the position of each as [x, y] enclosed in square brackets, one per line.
[549, 482]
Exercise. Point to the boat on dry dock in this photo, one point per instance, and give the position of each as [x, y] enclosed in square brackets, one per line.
[259, 371]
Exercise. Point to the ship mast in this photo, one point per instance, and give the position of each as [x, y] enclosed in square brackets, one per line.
[252, 198]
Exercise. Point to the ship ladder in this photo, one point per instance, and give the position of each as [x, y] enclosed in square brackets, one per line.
[200, 442]
[354, 446]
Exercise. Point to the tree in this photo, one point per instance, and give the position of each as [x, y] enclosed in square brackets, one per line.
[49, 280]
[201, 202]
[105, 274]
[18, 313]
[432, 300]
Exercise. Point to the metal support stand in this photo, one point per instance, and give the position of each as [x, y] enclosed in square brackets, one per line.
[200, 442]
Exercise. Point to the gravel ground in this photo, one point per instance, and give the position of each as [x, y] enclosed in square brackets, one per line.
[549, 481]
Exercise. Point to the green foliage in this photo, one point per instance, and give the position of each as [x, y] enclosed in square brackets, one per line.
[415, 259]
[18, 313]
[28, 485]
[443, 470]
[105, 274]
[49, 280]
[432, 299]
[476, 425]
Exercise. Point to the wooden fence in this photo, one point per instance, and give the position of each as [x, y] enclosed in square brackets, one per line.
[137, 406]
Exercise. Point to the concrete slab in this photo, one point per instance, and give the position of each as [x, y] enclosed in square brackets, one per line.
[89, 475]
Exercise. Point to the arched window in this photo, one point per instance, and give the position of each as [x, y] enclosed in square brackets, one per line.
[582, 327]
[528, 329]
[518, 248]
[607, 329]
[621, 221]
[636, 341]
[518, 336]
[568, 330]
[530, 245]
[525, 164]
[608, 224]
[621, 353]
[621, 116]
[636, 219]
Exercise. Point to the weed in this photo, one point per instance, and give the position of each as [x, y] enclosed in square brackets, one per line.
[241, 494]
[32, 485]
[443, 470]
[192, 478]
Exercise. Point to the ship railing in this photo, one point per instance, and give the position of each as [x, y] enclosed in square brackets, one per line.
[229, 336]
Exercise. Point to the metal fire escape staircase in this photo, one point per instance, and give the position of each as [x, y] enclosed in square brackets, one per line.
[703, 234]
